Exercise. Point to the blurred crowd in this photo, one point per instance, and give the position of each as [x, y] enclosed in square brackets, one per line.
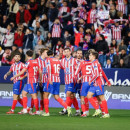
[103, 25]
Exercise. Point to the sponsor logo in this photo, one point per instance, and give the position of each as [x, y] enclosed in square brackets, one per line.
[6, 94]
[119, 82]
[115, 96]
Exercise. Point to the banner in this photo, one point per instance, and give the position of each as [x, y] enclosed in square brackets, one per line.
[117, 96]
[117, 77]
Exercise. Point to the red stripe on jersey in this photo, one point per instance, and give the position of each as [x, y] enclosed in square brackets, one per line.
[56, 30]
[43, 66]
[69, 67]
[16, 68]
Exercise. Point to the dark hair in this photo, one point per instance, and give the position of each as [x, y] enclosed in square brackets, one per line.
[95, 54]
[86, 55]
[53, 4]
[67, 48]
[102, 36]
[43, 49]
[29, 53]
[78, 50]
[17, 53]
[50, 52]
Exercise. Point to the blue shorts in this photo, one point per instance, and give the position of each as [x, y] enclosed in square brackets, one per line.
[78, 88]
[70, 87]
[18, 87]
[40, 88]
[97, 90]
[84, 89]
[52, 88]
[31, 88]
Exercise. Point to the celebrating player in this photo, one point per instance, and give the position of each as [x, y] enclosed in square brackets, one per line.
[42, 64]
[98, 86]
[86, 70]
[53, 83]
[33, 71]
[69, 65]
[18, 82]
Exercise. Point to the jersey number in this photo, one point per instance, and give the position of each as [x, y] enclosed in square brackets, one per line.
[88, 68]
[35, 68]
[57, 68]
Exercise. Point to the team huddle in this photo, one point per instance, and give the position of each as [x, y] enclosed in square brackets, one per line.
[83, 76]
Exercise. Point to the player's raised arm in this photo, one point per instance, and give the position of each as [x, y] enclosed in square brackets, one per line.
[7, 74]
[19, 74]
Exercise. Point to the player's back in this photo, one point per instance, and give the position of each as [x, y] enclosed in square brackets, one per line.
[54, 69]
[86, 70]
[32, 71]
[97, 68]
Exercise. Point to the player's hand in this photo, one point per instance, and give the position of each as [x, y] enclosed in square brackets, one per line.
[5, 77]
[108, 84]
[12, 78]
[21, 78]
[89, 83]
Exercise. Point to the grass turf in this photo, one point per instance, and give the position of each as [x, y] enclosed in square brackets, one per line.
[119, 121]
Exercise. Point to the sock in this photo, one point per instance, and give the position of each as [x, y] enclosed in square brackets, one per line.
[104, 106]
[46, 104]
[36, 104]
[75, 103]
[95, 99]
[41, 105]
[64, 110]
[102, 109]
[20, 101]
[86, 104]
[83, 107]
[93, 103]
[25, 100]
[32, 103]
[69, 101]
[62, 102]
[14, 104]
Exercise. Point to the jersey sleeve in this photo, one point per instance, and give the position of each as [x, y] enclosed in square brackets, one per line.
[95, 73]
[78, 70]
[26, 65]
[11, 68]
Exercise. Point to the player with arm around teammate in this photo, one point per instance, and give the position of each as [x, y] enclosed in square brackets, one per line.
[33, 71]
[18, 81]
[53, 83]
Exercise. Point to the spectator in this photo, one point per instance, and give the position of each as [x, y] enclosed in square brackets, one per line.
[108, 65]
[68, 45]
[37, 18]
[38, 47]
[58, 45]
[28, 41]
[113, 12]
[56, 30]
[122, 46]
[114, 46]
[38, 27]
[52, 14]
[123, 54]
[37, 38]
[23, 16]
[102, 48]
[22, 55]
[49, 41]
[4, 22]
[13, 9]
[121, 64]
[18, 37]
[7, 36]
[127, 39]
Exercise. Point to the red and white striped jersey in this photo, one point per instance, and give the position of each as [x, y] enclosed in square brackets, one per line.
[64, 9]
[83, 14]
[97, 76]
[121, 6]
[16, 68]
[116, 32]
[92, 16]
[32, 68]
[56, 31]
[53, 69]
[80, 2]
[69, 67]
[86, 69]
[43, 66]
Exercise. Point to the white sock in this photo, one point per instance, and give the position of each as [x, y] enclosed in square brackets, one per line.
[87, 112]
[77, 110]
[12, 110]
[64, 110]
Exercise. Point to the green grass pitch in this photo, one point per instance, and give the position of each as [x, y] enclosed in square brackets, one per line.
[120, 120]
